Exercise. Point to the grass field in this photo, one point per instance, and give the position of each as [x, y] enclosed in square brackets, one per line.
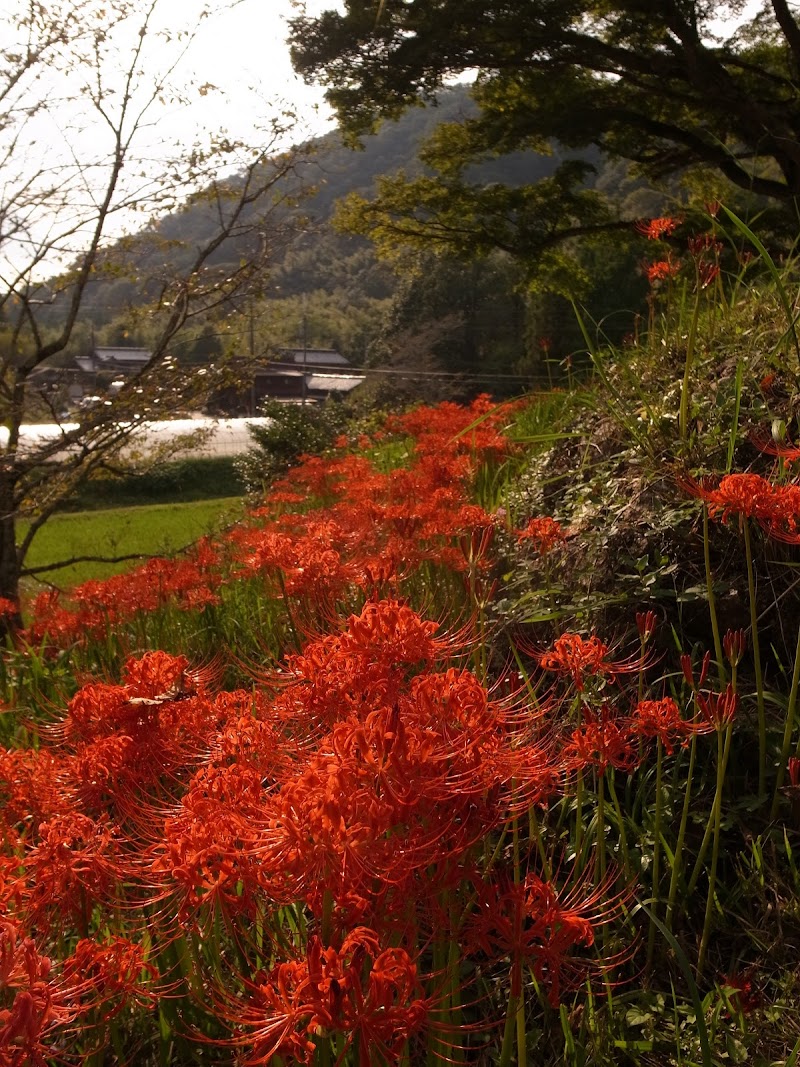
[158, 529]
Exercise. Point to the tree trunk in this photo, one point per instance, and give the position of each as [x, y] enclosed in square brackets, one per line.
[9, 559]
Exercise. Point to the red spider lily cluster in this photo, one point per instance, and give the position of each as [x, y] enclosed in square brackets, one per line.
[775, 506]
[335, 529]
[355, 787]
[317, 857]
[704, 250]
[544, 534]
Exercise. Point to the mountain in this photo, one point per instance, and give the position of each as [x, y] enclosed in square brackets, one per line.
[326, 285]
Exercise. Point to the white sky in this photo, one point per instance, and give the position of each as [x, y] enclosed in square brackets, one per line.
[233, 78]
[243, 52]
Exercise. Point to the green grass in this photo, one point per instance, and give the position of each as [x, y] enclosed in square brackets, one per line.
[158, 529]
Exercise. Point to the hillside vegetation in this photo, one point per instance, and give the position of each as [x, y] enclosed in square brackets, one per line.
[478, 318]
[475, 743]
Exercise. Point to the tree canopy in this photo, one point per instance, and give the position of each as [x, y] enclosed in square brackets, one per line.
[671, 87]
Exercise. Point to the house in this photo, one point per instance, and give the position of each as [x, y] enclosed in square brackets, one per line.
[117, 360]
[298, 376]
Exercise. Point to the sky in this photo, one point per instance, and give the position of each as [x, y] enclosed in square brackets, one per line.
[244, 54]
[234, 78]
[227, 74]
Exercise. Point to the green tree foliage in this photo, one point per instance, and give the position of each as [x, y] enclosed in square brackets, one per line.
[464, 326]
[682, 85]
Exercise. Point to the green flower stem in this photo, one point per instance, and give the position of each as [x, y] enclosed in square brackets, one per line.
[456, 1055]
[656, 866]
[787, 731]
[712, 602]
[701, 855]
[507, 1050]
[522, 1053]
[519, 999]
[601, 825]
[762, 717]
[677, 863]
[623, 837]
[535, 834]
[683, 417]
[723, 748]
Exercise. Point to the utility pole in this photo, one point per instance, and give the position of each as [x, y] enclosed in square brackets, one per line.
[305, 348]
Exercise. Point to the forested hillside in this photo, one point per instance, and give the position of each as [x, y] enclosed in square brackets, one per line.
[331, 287]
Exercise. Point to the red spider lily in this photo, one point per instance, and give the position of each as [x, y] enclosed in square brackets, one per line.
[603, 740]
[95, 984]
[100, 605]
[734, 644]
[205, 857]
[775, 507]
[156, 674]
[765, 442]
[74, 865]
[476, 544]
[542, 926]
[688, 671]
[544, 534]
[36, 1008]
[390, 632]
[645, 624]
[582, 658]
[129, 749]
[702, 243]
[767, 384]
[105, 978]
[661, 269]
[31, 787]
[655, 229]
[747, 495]
[413, 770]
[662, 719]
[8, 607]
[370, 995]
[394, 799]
[742, 990]
[718, 709]
[707, 273]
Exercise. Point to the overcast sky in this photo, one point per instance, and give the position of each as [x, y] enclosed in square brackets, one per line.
[233, 76]
[244, 53]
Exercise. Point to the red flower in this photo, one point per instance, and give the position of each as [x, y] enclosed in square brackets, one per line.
[704, 242]
[661, 269]
[603, 740]
[74, 866]
[583, 657]
[542, 926]
[661, 719]
[718, 709]
[708, 272]
[655, 229]
[370, 995]
[742, 990]
[734, 644]
[775, 507]
[544, 533]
